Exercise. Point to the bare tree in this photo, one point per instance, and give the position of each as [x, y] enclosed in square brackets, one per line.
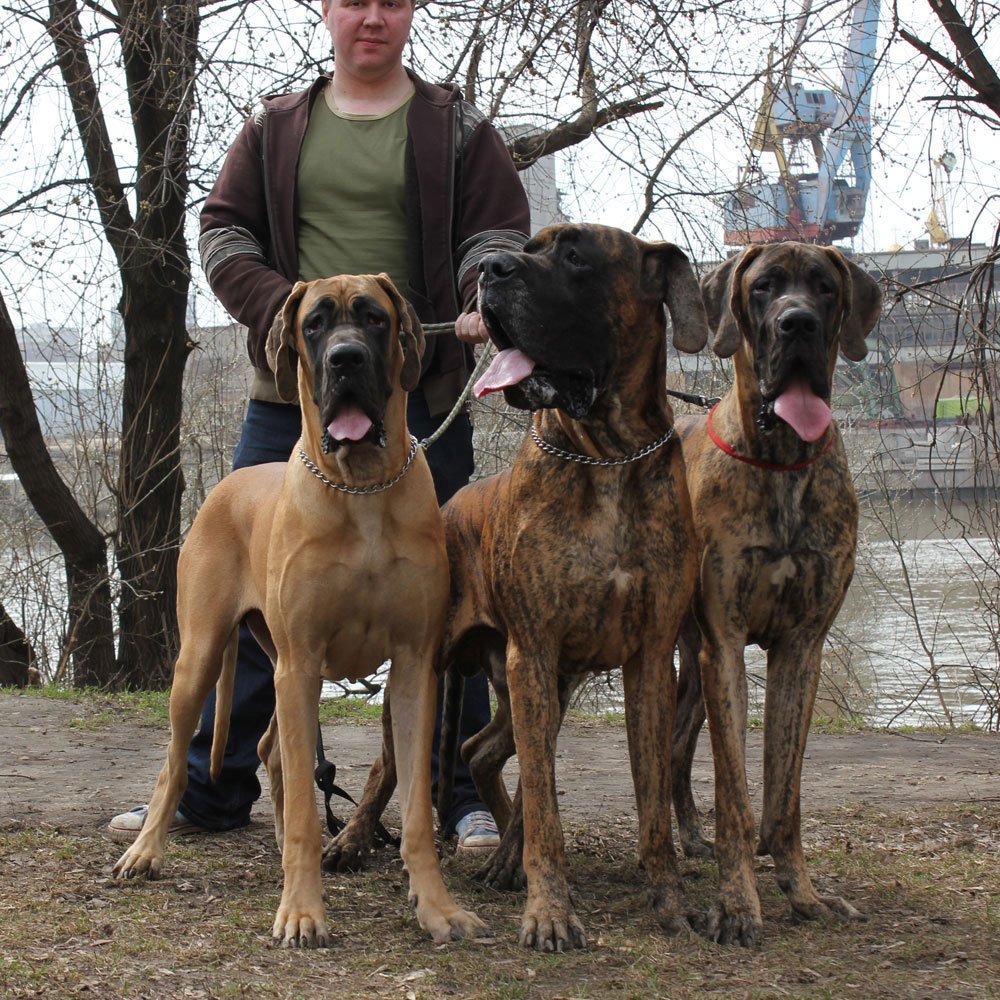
[974, 79]
[132, 74]
[143, 223]
[88, 637]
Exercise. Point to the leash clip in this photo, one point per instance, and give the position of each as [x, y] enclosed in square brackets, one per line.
[326, 775]
[326, 779]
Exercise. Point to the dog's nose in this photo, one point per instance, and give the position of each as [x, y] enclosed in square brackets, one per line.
[798, 323]
[346, 358]
[497, 265]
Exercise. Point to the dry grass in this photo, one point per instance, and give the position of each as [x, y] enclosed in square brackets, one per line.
[929, 882]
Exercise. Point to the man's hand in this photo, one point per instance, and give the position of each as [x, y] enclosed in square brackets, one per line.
[470, 328]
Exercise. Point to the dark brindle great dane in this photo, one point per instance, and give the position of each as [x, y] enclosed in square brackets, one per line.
[581, 556]
[776, 518]
[337, 559]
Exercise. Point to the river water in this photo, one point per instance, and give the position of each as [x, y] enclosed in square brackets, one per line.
[916, 640]
[914, 644]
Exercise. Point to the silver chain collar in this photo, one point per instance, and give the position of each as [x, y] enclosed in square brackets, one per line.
[359, 490]
[572, 456]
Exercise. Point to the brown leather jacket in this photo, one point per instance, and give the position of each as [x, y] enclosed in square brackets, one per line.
[463, 199]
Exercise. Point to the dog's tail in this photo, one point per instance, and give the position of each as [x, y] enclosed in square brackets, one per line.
[451, 719]
[224, 704]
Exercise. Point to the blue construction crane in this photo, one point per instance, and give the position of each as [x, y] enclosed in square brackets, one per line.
[817, 206]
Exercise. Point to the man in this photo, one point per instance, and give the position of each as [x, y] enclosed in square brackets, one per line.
[370, 169]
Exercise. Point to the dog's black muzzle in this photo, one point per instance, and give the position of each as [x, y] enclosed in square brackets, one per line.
[520, 316]
[351, 375]
[499, 296]
[348, 359]
[498, 267]
[796, 350]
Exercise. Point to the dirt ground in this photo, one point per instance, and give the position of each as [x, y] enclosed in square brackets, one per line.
[55, 770]
[924, 802]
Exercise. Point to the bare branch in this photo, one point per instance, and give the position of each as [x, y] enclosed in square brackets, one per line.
[24, 91]
[527, 149]
[935, 56]
[680, 141]
[981, 75]
[71, 54]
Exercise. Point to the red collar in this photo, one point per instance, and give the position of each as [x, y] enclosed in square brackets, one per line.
[770, 466]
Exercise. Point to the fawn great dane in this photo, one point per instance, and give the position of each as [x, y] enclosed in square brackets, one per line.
[337, 559]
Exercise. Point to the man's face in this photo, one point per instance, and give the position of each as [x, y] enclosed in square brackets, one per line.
[368, 35]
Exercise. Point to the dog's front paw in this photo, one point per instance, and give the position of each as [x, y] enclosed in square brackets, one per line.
[347, 852]
[670, 911]
[549, 925]
[447, 922]
[300, 926]
[139, 861]
[793, 880]
[504, 871]
[729, 922]
[827, 908]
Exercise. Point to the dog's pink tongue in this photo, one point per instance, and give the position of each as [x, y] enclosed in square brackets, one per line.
[506, 369]
[800, 408]
[350, 424]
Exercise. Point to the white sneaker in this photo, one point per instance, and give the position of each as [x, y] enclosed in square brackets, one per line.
[477, 831]
[125, 826]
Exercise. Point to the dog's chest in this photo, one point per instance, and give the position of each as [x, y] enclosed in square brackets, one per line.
[790, 558]
[584, 571]
[376, 622]
[605, 617]
[369, 599]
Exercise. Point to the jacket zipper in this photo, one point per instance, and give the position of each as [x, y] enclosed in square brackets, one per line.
[268, 208]
[453, 151]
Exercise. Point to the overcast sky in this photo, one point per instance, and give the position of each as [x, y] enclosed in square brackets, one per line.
[908, 136]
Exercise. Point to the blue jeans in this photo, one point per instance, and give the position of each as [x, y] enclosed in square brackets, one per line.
[270, 431]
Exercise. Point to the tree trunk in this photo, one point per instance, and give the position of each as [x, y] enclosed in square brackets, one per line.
[89, 645]
[150, 485]
[16, 655]
[159, 55]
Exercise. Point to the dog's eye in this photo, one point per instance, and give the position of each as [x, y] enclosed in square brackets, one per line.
[373, 319]
[572, 257]
[825, 288]
[761, 288]
[312, 326]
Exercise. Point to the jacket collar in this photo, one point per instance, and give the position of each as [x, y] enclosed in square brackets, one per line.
[439, 95]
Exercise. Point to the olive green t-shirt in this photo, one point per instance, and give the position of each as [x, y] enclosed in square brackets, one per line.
[351, 197]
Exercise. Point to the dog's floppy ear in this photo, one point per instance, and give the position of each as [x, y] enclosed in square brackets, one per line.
[722, 293]
[282, 355]
[862, 306]
[668, 269]
[411, 334]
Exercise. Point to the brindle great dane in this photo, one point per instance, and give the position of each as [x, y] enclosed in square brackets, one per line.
[337, 559]
[581, 556]
[776, 517]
